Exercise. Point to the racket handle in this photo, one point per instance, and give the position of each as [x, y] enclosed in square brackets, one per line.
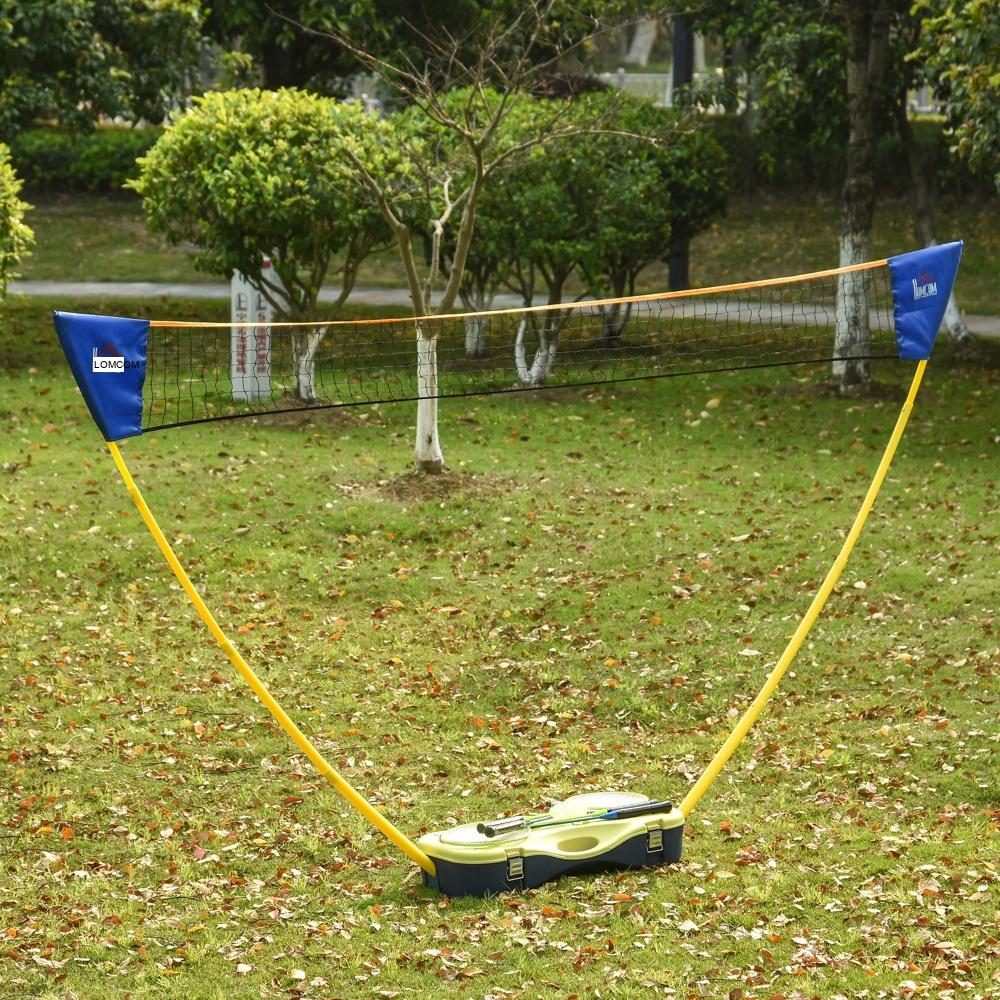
[498, 826]
[643, 809]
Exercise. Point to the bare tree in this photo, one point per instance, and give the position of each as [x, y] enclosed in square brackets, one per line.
[488, 69]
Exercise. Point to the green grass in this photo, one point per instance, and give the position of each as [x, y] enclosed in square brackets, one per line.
[93, 238]
[586, 603]
[85, 237]
[767, 236]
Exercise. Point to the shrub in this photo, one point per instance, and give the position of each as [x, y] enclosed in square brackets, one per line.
[246, 172]
[249, 172]
[15, 236]
[101, 161]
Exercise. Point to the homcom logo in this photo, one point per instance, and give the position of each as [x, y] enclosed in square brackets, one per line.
[924, 286]
[109, 359]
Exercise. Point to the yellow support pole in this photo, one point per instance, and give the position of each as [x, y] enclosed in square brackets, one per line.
[301, 740]
[751, 715]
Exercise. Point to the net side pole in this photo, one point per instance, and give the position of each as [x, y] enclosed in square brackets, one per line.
[353, 797]
[751, 715]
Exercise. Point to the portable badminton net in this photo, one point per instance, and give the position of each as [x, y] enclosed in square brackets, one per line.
[139, 376]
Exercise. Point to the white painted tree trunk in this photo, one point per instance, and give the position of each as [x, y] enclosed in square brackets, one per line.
[958, 332]
[642, 42]
[475, 336]
[699, 53]
[427, 452]
[544, 360]
[304, 348]
[853, 336]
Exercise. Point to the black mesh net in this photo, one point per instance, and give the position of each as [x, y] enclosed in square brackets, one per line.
[200, 372]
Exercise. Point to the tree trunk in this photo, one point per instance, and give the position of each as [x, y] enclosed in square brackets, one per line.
[477, 300]
[643, 40]
[679, 265]
[428, 448]
[682, 71]
[545, 356]
[867, 57]
[304, 348]
[614, 318]
[924, 225]
[611, 327]
[730, 99]
[958, 331]
[475, 336]
[853, 337]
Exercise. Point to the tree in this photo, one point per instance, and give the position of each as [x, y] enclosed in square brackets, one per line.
[867, 28]
[550, 223]
[440, 148]
[598, 212]
[836, 73]
[959, 47]
[15, 237]
[284, 55]
[911, 72]
[652, 196]
[490, 252]
[487, 68]
[79, 60]
[806, 80]
[280, 54]
[247, 173]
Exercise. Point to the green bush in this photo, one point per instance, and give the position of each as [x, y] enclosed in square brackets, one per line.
[245, 172]
[15, 236]
[100, 161]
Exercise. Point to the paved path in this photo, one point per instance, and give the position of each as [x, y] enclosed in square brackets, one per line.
[984, 326]
[208, 290]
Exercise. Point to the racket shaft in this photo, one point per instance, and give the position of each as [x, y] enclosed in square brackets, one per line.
[642, 809]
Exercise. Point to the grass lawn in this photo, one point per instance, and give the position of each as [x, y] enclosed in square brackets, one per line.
[93, 238]
[86, 237]
[769, 235]
[554, 616]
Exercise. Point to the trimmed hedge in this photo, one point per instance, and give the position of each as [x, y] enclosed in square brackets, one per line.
[100, 161]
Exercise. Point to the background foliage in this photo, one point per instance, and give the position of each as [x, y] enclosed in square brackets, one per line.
[65, 160]
[960, 45]
[79, 60]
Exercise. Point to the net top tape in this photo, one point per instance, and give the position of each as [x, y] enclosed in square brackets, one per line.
[139, 375]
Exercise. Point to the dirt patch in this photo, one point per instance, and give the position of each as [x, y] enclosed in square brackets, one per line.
[415, 486]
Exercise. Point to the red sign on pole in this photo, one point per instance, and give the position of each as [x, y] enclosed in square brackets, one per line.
[250, 354]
